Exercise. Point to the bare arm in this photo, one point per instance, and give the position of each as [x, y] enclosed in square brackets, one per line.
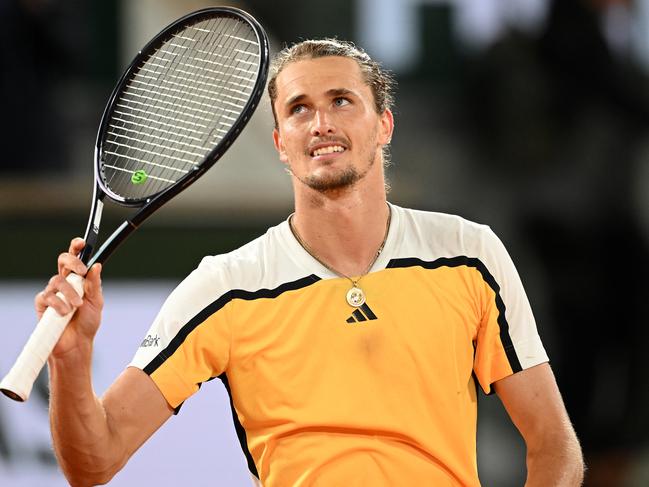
[93, 438]
[532, 399]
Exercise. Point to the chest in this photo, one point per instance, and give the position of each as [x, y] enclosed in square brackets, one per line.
[417, 325]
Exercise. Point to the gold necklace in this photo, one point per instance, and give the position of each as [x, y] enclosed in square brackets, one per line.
[355, 296]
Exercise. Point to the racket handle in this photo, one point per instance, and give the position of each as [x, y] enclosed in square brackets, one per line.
[17, 384]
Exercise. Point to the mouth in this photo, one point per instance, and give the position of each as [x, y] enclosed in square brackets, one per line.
[323, 150]
[327, 150]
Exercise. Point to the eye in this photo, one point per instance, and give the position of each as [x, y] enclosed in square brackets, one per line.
[296, 109]
[341, 101]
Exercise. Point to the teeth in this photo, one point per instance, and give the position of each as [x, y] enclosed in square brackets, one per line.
[328, 150]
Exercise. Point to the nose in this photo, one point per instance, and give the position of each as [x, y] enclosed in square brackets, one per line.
[322, 124]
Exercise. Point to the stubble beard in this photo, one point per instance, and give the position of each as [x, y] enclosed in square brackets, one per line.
[339, 181]
[335, 182]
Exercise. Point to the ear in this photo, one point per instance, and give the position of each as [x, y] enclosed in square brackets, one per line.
[279, 145]
[386, 127]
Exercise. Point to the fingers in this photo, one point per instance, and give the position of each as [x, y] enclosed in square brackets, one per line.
[46, 299]
[92, 286]
[76, 246]
[69, 301]
[66, 263]
[40, 302]
[70, 262]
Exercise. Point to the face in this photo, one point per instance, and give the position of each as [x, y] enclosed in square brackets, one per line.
[329, 133]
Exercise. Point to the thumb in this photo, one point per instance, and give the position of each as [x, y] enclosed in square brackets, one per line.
[92, 285]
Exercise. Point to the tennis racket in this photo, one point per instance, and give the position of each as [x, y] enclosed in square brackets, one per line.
[175, 111]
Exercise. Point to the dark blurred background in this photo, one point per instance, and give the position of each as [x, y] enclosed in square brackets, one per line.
[531, 116]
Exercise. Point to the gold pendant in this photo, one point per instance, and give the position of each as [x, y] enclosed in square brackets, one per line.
[355, 297]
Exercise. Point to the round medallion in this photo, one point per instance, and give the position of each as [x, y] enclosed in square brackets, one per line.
[355, 297]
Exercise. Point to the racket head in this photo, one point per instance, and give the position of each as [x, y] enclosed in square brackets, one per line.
[183, 100]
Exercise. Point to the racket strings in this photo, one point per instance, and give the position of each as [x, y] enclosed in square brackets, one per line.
[178, 105]
[183, 46]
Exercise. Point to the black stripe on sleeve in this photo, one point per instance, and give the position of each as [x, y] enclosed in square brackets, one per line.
[215, 306]
[238, 427]
[477, 264]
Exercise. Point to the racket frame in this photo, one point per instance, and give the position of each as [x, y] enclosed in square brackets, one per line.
[18, 383]
[151, 203]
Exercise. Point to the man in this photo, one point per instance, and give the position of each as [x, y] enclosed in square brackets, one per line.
[348, 336]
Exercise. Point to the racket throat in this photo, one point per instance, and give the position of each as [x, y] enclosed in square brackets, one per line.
[92, 230]
[112, 242]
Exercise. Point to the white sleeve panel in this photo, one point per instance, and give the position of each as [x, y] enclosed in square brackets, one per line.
[201, 288]
[518, 312]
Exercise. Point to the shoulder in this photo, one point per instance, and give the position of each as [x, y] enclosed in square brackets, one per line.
[436, 234]
[259, 264]
[252, 265]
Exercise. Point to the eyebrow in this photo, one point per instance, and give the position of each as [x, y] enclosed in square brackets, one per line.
[332, 93]
[340, 91]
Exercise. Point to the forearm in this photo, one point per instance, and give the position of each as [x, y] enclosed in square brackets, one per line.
[86, 449]
[556, 462]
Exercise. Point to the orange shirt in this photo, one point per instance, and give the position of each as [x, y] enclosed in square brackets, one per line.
[332, 395]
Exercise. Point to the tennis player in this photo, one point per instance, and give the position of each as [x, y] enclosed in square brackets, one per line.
[352, 337]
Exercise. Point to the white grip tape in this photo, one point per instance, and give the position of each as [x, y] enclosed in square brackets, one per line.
[17, 384]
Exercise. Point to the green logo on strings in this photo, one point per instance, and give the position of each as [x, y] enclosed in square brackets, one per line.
[139, 177]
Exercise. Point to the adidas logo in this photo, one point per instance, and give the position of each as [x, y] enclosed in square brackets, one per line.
[363, 313]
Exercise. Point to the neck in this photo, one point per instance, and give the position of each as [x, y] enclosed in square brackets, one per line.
[345, 230]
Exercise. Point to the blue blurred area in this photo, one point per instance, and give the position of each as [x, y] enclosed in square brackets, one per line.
[195, 446]
[530, 116]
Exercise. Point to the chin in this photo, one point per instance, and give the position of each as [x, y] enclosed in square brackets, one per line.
[333, 182]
